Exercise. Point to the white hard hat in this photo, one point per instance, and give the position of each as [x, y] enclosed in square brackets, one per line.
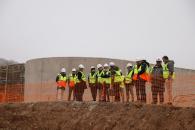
[111, 64]
[92, 67]
[63, 70]
[74, 70]
[129, 65]
[99, 66]
[81, 66]
[106, 65]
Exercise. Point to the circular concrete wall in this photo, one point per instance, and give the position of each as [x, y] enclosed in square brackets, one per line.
[41, 73]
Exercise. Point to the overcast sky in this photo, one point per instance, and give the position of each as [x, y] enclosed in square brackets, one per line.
[124, 29]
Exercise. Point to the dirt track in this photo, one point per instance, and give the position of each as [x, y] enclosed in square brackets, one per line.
[96, 116]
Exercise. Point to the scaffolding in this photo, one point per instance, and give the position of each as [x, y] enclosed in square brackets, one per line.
[12, 83]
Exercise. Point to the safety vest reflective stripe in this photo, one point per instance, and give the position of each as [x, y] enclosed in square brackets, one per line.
[128, 78]
[166, 72]
[99, 74]
[92, 78]
[117, 77]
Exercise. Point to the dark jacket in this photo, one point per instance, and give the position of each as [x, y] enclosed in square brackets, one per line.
[157, 71]
[170, 66]
[79, 75]
[157, 76]
[144, 66]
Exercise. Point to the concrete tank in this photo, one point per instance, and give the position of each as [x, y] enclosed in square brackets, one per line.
[41, 73]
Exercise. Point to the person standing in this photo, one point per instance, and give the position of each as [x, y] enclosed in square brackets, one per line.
[81, 84]
[168, 74]
[116, 80]
[99, 80]
[157, 82]
[71, 83]
[92, 83]
[129, 82]
[122, 88]
[106, 83]
[61, 80]
[111, 90]
[140, 77]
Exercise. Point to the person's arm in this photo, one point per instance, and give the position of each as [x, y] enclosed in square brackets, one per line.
[170, 67]
[57, 78]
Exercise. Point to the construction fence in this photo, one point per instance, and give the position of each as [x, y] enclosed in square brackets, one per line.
[12, 83]
[14, 89]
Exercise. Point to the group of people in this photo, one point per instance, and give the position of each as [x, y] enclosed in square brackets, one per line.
[108, 83]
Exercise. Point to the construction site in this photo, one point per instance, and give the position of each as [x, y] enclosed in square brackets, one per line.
[97, 65]
[33, 86]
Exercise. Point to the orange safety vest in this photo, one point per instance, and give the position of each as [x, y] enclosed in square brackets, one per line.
[72, 81]
[145, 76]
[62, 81]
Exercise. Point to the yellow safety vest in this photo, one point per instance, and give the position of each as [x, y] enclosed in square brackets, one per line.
[107, 80]
[122, 85]
[83, 77]
[99, 74]
[72, 79]
[117, 76]
[166, 72]
[61, 78]
[62, 81]
[92, 78]
[144, 76]
[128, 78]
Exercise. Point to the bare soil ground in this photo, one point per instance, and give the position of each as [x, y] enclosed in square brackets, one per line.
[94, 116]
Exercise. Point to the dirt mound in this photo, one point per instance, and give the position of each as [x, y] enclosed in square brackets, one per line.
[96, 116]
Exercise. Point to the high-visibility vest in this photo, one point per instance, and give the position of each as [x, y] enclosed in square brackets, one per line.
[99, 74]
[83, 77]
[166, 72]
[135, 76]
[144, 76]
[128, 78]
[107, 80]
[72, 80]
[92, 78]
[122, 85]
[117, 76]
[62, 81]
